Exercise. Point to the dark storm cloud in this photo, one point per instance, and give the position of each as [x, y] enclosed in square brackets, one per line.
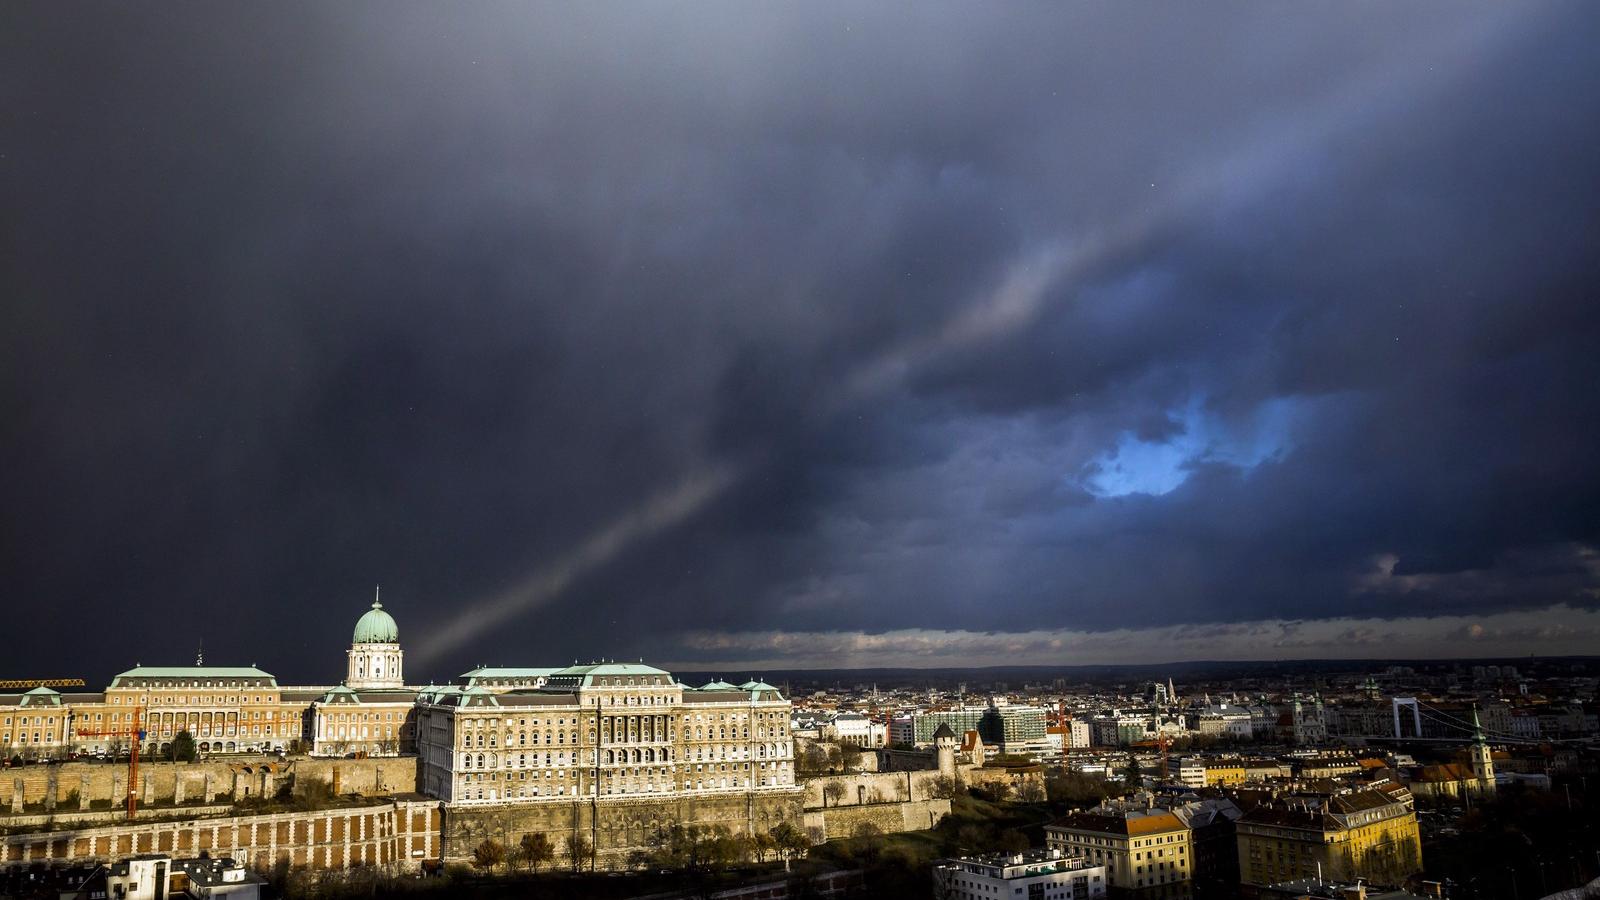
[303, 299]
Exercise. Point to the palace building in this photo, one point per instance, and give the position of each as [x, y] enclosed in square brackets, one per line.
[603, 730]
[372, 712]
[607, 752]
[227, 709]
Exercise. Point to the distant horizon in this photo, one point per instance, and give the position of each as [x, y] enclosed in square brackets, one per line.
[1107, 669]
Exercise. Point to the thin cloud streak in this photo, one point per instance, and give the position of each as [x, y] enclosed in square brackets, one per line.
[660, 513]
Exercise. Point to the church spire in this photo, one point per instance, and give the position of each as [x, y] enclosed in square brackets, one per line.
[1482, 756]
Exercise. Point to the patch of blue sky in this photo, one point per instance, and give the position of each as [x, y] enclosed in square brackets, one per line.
[1155, 468]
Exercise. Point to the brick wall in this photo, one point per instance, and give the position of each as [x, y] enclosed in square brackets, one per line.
[399, 832]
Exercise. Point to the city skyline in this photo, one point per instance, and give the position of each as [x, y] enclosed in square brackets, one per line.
[783, 338]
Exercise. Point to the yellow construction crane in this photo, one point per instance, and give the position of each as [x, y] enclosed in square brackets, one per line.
[30, 683]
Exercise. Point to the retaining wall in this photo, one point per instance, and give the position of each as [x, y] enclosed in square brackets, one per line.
[615, 826]
[400, 832]
[39, 789]
[889, 818]
[871, 787]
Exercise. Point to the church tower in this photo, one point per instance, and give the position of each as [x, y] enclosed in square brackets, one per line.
[375, 654]
[1482, 757]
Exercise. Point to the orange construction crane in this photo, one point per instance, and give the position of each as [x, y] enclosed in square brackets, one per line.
[30, 683]
[137, 733]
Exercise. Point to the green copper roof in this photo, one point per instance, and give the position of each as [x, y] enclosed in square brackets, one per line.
[192, 673]
[609, 674]
[492, 672]
[718, 685]
[477, 696]
[41, 696]
[611, 668]
[376, 627]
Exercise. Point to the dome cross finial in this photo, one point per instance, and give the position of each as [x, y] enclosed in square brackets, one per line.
[377, 597]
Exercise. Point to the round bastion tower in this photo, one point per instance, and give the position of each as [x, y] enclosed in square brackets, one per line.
[375, 654]
[944, 748]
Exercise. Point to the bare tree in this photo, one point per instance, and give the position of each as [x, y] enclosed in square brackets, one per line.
[790, 842]
[578, 849]
[488, 854]
[833, 792]
[849, 756]
[535, 850]
[813, 759]
[763, 843]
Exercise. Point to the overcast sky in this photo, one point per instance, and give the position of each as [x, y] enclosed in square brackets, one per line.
[797, 335]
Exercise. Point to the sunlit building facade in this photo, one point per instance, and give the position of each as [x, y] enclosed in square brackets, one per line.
[603, 730]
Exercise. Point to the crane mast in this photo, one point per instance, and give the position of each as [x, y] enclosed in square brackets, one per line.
[137, 734]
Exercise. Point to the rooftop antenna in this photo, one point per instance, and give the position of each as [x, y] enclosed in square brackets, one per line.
[200, 654]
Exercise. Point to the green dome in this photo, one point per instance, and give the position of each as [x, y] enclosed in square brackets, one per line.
[376, 627]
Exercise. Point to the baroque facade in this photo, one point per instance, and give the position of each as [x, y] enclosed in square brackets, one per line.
[226, 709]
[373, 713]
[608, 753]
[502, 735]
[603, 730]
[600, 757]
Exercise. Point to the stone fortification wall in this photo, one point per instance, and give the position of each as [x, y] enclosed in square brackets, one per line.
[40, 789]
[616, 826]
[907, 760]
[401, 833]
[870, 787]
[980, 777]
[889, 818]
